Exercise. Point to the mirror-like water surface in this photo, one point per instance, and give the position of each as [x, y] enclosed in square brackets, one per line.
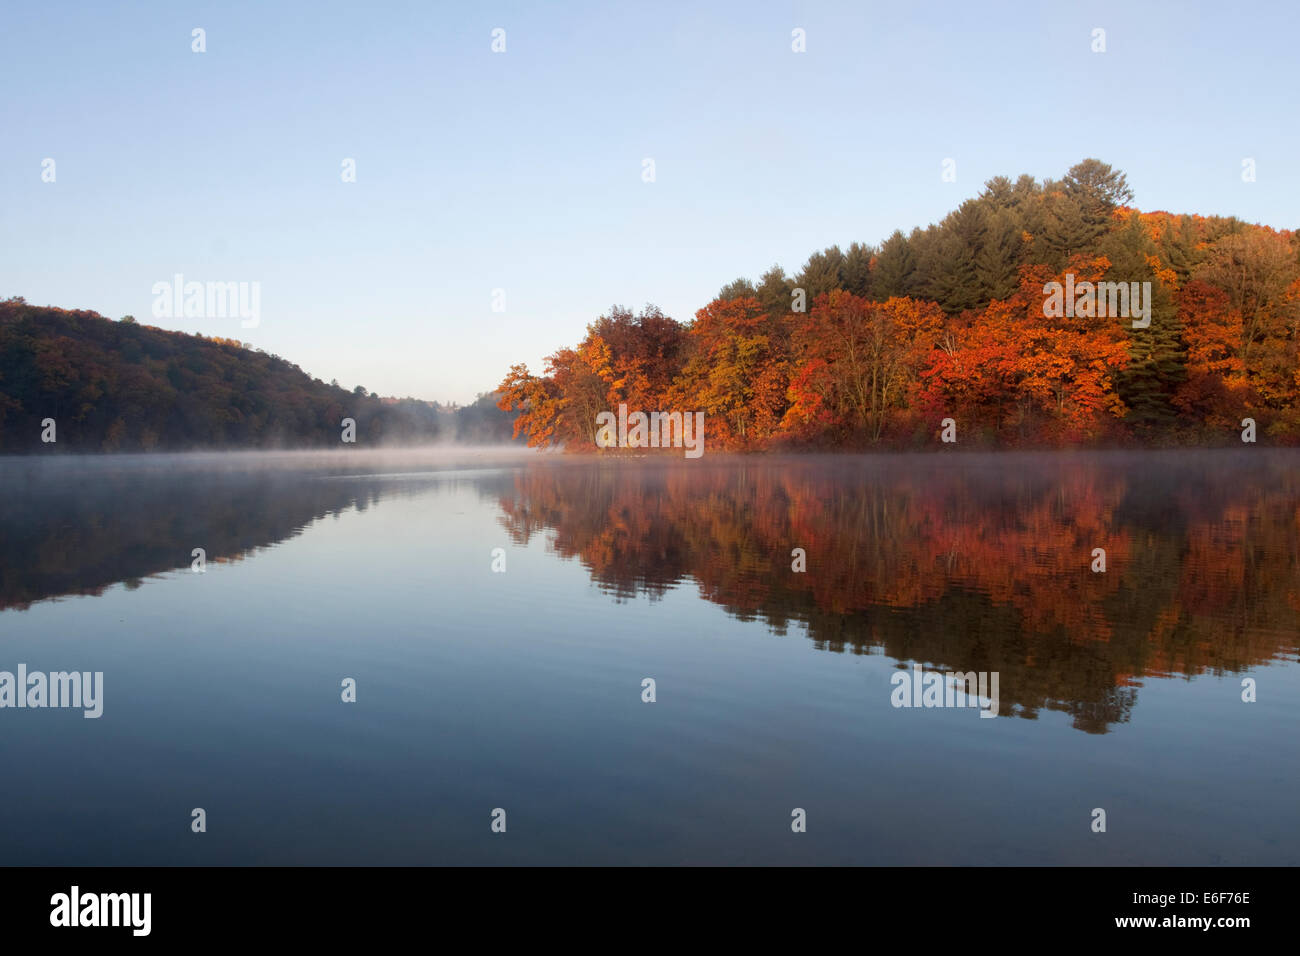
[522, 688]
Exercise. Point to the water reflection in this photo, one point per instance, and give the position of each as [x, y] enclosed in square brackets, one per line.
[962, 563]
[959, 562]
[64, 534]
[75, 526]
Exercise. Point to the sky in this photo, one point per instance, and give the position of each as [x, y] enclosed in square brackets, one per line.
[500, 200]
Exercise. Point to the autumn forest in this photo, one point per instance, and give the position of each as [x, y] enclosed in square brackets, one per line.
[877, 345]
[122, 386]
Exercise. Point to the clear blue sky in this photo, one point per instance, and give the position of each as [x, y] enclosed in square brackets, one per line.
[522, 170]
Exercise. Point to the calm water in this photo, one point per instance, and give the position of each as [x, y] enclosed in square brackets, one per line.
[523, 690]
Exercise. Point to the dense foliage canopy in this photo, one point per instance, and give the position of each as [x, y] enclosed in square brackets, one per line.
[878, 345]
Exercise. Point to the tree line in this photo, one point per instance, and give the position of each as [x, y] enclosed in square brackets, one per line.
[122, 386]
[876, 345]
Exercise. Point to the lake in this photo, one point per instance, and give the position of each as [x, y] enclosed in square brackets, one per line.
[500, 613]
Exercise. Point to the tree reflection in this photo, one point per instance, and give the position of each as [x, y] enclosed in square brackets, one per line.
[969, 563]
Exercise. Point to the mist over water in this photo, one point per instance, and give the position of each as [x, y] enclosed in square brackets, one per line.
[521, 688]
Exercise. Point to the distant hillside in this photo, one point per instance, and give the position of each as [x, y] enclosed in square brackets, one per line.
[122, 386]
